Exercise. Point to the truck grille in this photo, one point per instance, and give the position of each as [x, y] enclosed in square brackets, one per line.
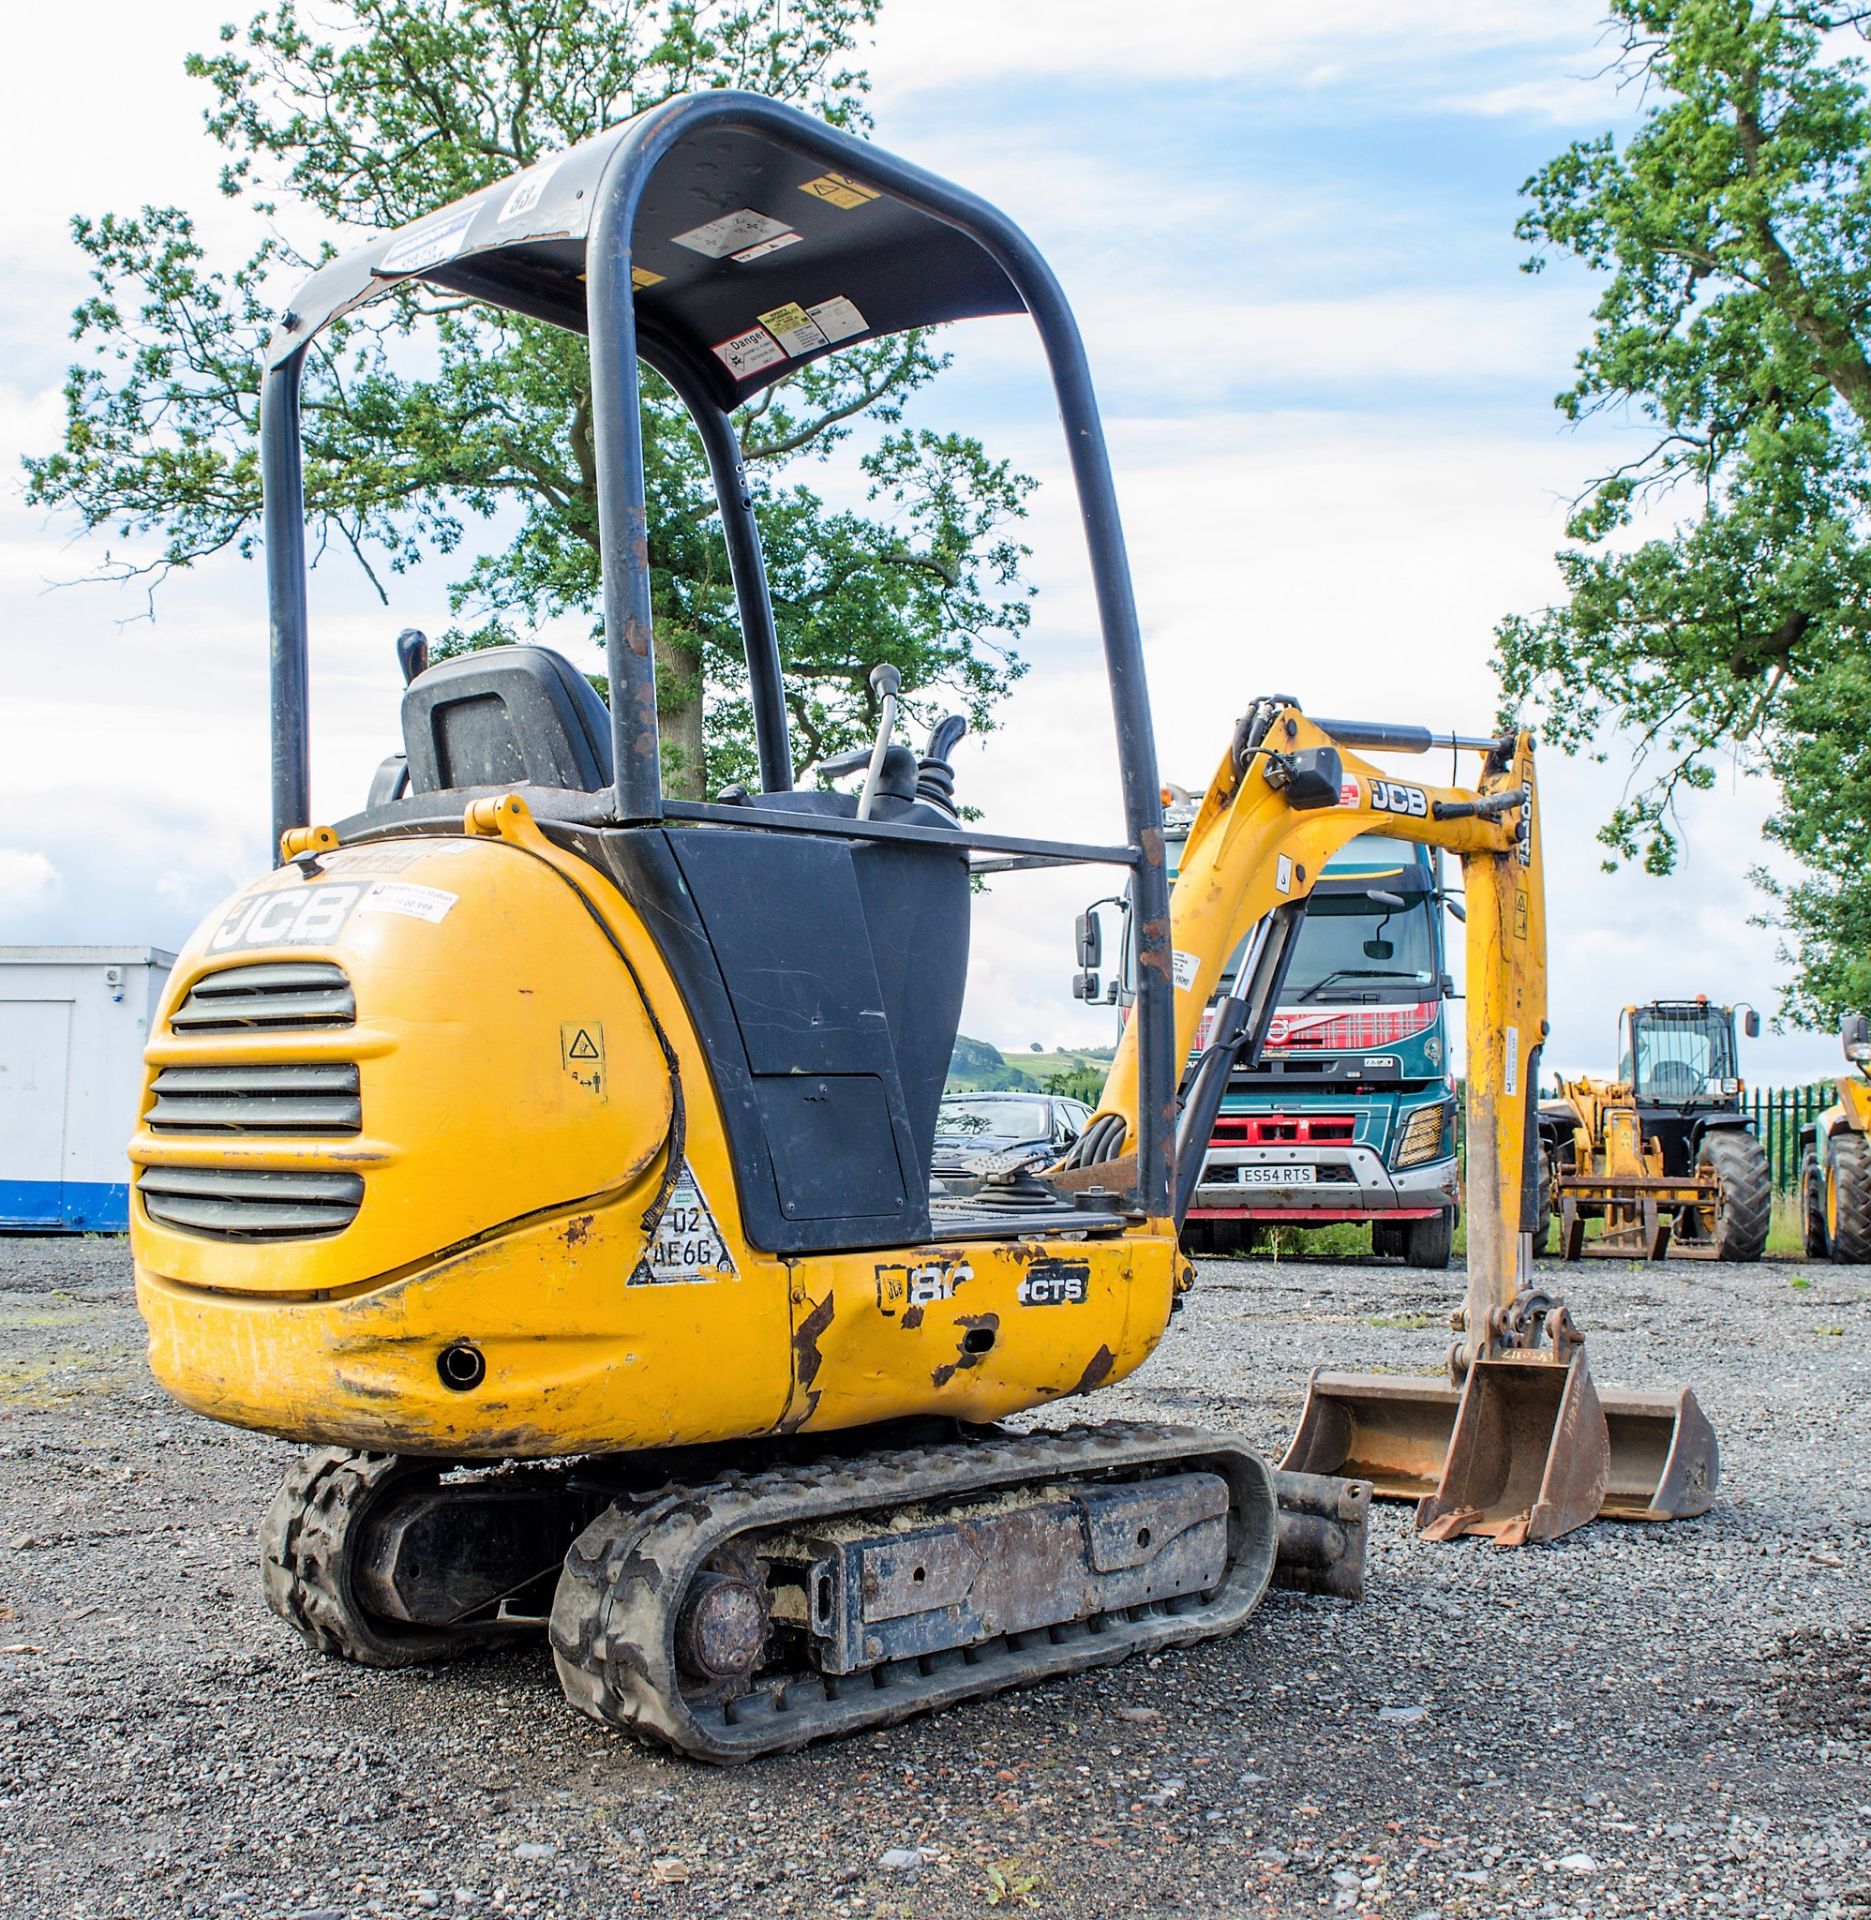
[251, 1203]
[283, 1100]
[290, 993]
[290, 1098]
[1284, 1129]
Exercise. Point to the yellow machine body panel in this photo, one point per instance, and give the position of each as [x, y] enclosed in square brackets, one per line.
[518, 1042]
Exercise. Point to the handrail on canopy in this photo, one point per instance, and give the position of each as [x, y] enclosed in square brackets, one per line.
[663, 239]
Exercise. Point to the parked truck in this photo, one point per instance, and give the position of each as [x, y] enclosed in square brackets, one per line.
[1349, 1115]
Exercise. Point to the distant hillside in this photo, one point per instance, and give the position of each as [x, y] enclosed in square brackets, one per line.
[978, 1067]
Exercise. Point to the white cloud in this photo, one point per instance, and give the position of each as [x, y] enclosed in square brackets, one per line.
[29, 883]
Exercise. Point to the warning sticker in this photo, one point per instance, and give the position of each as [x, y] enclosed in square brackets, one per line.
[794, 328]
[688, 1246]
[528, 190]
[1510, 1060]
[765, 247]
[750, 353]
[429, 244]
[1282, 874]
[1520, 915]
[581, 1053]
[1183, 966]
[837, 318]
[405, 897]
[732, 233]
[838, 190]
[641, 277]
[1348, 794]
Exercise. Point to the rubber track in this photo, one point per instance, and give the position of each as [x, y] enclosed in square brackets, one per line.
[613, 1618]
[306, 1544]
[1745, 1209]
[1851, 1173]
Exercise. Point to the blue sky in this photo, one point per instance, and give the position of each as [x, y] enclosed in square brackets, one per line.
[1288, 235]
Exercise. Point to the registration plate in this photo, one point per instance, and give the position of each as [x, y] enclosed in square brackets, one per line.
[1294, 1176]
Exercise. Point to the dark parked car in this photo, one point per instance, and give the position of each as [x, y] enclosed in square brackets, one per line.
[978, 1134]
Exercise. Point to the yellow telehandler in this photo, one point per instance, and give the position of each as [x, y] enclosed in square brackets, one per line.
[1835, 1161]
[552, 1155]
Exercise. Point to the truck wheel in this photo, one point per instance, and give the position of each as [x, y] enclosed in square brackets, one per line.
[1813, 1237]
[1848, 1197]
[1428, 1243]
[1233, 1239]
[1745, 1209]
[1387, 1239]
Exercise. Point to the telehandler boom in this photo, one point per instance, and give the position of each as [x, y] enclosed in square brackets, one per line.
[553, 1155]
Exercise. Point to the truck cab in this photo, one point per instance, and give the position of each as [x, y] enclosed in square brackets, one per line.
[1349, 1115]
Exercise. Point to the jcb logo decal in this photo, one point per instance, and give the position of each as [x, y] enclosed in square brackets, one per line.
[287, 917]
[1389, 796]
[920, 1286]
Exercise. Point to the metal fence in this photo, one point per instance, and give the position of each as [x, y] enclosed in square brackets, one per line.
[1778, 1114]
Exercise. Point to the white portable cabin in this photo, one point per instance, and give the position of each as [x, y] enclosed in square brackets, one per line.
[73, 1021]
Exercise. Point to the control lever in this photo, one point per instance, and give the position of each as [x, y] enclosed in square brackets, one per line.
[885, 680]
[412, 652]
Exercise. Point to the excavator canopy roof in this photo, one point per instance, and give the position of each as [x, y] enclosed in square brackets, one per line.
[749, 257]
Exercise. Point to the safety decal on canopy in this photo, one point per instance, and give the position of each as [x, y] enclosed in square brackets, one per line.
[806, 329]
[750, 353]
[762, 248]
[688, 1246]
[641, 277]
[430, 244]
[838, 190]
[733, 233]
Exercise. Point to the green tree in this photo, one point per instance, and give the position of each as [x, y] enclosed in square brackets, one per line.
[476, 441]
[1719, 581]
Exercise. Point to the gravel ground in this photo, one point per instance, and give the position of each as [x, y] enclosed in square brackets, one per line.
[1634, 1721]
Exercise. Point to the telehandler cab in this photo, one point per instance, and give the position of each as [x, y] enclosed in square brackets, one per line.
[554, 1154]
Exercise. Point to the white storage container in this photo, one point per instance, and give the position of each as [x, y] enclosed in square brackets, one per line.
[73, 1022]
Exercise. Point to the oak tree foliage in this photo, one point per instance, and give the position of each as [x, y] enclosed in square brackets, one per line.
[1718, 581]
[436, 427]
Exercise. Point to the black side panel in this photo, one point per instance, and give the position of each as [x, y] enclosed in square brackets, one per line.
[825, 979]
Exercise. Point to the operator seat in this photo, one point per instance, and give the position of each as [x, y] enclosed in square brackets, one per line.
[504, 717]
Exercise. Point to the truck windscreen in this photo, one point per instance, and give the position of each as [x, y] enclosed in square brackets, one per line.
[1348, 951]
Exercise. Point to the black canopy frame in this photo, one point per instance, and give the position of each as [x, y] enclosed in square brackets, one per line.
[535, 270]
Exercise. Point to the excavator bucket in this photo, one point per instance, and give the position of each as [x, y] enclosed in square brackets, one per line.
[1530, 1456]
[1665, 1463]
[1527, 1450]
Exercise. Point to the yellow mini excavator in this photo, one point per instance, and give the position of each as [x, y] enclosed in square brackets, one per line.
[553, 1155]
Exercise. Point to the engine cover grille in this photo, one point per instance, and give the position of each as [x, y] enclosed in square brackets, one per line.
[251, 1202]
[290, 1098]
[287, 993]
[208, 1101]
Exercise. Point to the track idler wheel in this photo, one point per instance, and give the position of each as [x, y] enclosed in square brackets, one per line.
[313, 1552]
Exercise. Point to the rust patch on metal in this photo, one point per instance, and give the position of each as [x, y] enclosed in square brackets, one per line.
[973, 1349]
[913, 1318]
[1153, 947]
[578, 1231]
[806, 1336]
[1097, 1371]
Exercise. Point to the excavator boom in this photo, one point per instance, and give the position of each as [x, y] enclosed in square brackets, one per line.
[1521, 1445]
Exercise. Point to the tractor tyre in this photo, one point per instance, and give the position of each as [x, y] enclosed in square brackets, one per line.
[1541, 1225]
[1814, 1239]
[1848, 1197]
[1429, 1243]
[1745, 1210]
